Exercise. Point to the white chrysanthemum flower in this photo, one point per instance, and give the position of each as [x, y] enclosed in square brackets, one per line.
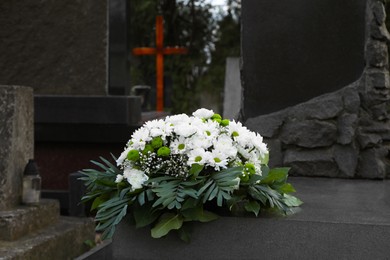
[260, 145]
[179, 145]
[218, 160]
[210, 129]
[139, 138]
[199, 156]
[119, 178]
[203, 113]
[199, 141]
[123, 156]
[224, 144]
[185, 129]
[135, 177]
[177, 119]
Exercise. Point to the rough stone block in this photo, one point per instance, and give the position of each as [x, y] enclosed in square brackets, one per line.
[351, 99]
[16, 139]
[22, 220]
[346, 158]
[323, 107]
[377, 54]
[63, 241]
[311, 162]
[309, 133]
[267, 125]
[275, 151]
[372, 163]
[346, 128]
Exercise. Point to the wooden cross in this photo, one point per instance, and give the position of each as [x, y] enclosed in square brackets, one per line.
[159, 51]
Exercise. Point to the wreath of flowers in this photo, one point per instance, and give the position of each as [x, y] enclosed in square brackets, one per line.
[172, 168]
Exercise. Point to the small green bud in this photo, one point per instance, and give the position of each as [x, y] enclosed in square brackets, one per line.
[250, 168]
[157, 142]
[235, 134]
[198, 158]
[244, 177]
[225, 122]
[181, 146]
[163, 151]
[148, 148]
[217, 160]
[133, 155]
[216, 116]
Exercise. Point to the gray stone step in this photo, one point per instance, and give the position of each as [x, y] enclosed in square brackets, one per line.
[21, 220]
[62, 240]
[344, 219]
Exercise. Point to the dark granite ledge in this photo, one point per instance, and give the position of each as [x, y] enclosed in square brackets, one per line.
[342, 200]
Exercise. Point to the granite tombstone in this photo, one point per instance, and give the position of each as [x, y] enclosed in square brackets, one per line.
[294, 51]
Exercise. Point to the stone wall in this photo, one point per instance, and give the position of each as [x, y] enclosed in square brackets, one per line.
[54, 46]
[341, 134]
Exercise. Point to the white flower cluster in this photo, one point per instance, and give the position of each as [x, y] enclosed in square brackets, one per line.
[203, 138]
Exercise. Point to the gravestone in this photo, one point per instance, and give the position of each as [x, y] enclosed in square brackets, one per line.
[295, 51]
[344, 132]
[119, 67]
[30, 231]
[55, 47]
[64, 51]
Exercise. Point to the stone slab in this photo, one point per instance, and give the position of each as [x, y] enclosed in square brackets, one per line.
[344, 219]
[102, 251]
[62, 241]
[86, 118]
[22, 220]
[67, 46]
[292, 52]
[16, 141]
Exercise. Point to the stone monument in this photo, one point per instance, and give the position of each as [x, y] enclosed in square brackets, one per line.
[64, 51]
[295, 51]
[344, 133]
[35, 231]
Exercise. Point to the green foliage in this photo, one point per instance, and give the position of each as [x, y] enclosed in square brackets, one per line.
[220, 185]
[166, 223]
[169, 203]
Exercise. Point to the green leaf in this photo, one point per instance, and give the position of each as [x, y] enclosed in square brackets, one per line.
[276, 175]
[166, 223]
[144, 216]
[195, 169]
[252, 206]
[286, 188]
[291, 201]
[184, 234]
[98, 201]
[198, 214]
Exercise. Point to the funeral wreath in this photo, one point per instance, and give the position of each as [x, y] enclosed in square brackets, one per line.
[172, 169]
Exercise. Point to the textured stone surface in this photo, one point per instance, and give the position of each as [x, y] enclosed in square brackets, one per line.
[16, 139]
[63, 241]
[309, 133]
[22, 220]
[338, 220]
[344, 133]
[54, 46]
[309, 162]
